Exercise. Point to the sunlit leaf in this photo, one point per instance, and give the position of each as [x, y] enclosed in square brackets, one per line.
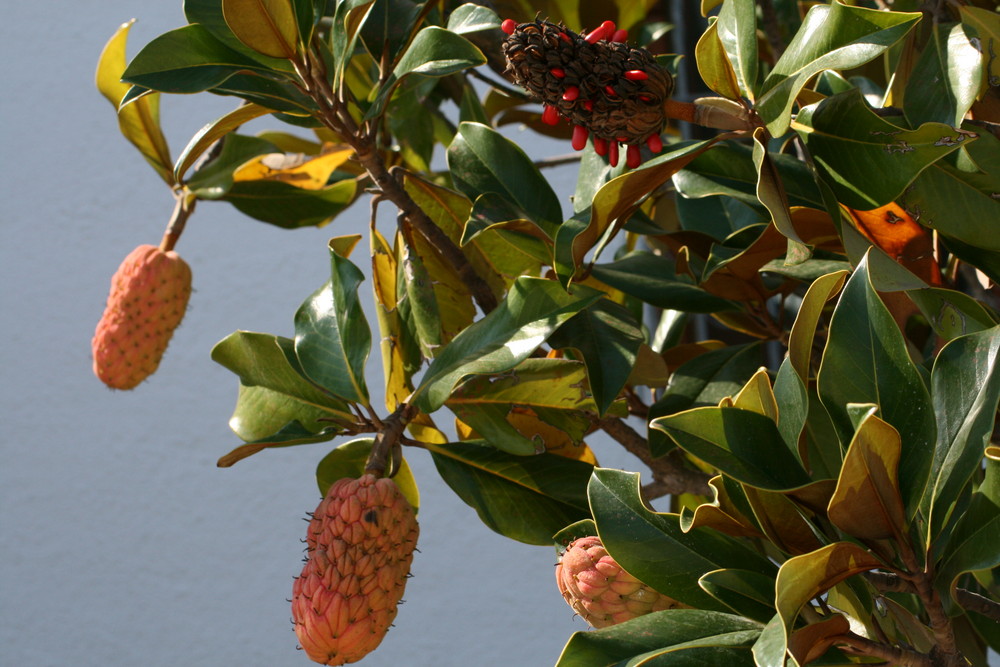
[737, 30]
[771, 193]
[946, 79]
[304, 172]
[348, 460]
[208, 135]
[714, 66]
[266, 26]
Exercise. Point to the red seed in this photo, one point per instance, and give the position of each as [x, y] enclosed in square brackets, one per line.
[565, 37]
[622, 139]
[619, 36]
[509, 26]
[603, 31]
[610, 91]
[636, 75]
[588, 105]
[558, 72]
[579, 137]
[613, 153]
[550, 116]
[633, 157]
[646, 98]
[600, 146]
[572, 92]
[655, 143]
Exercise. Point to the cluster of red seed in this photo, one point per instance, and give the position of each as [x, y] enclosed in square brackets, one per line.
[611, 92]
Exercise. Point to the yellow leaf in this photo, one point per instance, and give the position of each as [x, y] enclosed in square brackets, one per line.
[297, 170]
[138, 121]
[757, 396]
[266, 26]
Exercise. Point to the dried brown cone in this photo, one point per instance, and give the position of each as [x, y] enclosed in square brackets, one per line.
[614, 91]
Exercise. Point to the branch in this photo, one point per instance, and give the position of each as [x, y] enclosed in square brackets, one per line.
[968, 600]
[669, 474]
[893, 656]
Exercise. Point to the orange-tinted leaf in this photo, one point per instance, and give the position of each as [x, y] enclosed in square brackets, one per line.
[296, 170]
[812, 641]
[720, 514]
[893, 230]
[781, 521]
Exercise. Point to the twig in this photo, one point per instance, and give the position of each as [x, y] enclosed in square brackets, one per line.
[968, 600]
[893, 656]
[669, 474]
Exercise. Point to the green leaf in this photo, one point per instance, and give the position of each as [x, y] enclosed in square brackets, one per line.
[287, 206]
[800, 579]
[258, 408]
[749, 594]
[673, 638]
[348, 460]
[703, 381]
[558, 384]
[209, 14]
[744, 445]
[867, 160]
[866, 503]
[209, 134]
[946, 79]
[972, 547]
[865, 361]
[737, 29]
[481, 160]
[348, 18]
[614, 203]
[139, 121]
[835, 36]
[332, 338]
[214, 179]
[268, 27]
[965, 389]
[653, 279]
[388, 28]
[186, 60]
[803, 333]
[714, 66]
[533, 309]
[471, 17]
[434, 52]
[608, 339]
[771, 193]
[652, 546]
[957, 194]
[525, 498]
[791, 395]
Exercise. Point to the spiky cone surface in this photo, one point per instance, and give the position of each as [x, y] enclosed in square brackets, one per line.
[149, 295]
[599, 590]
[360, 547]
[610, 90]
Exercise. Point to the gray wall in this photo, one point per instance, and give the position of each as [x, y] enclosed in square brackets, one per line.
[121, 543]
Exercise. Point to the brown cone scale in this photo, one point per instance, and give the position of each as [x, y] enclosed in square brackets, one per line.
[360, 546]
[148, 298]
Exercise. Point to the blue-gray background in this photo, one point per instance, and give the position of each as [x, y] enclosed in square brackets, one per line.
[121, 543]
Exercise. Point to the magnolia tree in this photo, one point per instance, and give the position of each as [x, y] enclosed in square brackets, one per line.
[777, 294]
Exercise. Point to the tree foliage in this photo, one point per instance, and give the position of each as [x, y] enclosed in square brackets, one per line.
[831, 503]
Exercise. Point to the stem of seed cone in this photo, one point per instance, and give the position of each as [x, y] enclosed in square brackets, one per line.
[633, 156]
[613, 153]
[600, 146]
[579, 137]
[509, 26]
[655, 143]
[550, 116]
[679, 110]
[572, 92]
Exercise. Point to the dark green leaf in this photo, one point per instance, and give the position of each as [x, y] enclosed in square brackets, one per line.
[737, 28]
[946, 79]
[388, 27]
[744, 445]
[525, 498]
[288, 206]
[653, 279]
[332, 338]
[749, 594]
[652, 547]
[209, 15]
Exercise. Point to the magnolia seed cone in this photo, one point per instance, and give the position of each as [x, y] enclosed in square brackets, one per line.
[149, 294]
[599, 590]
[360, 546]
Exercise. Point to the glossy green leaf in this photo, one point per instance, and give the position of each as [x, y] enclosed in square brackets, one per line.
[332, 338]
[865, 361]
[972, 547]
[533, 309]
[490, 421]
[471, 17]
[268, 27]
[952, 313]
[793, 398]
[677, 637]
[482, 160]
[492, 211]
[834, 36]
[703, 381]
[348, 460]
[348, 18]
[800, 579]
[434, 52]
[957, 195]
[714, 66]
[209, 134]
[653, 279]
[946, 79]
[613, 203]
[290, 207]
[749, 594]
[559, 384]
[214, 179]
[608, 338]
[866, 503]
[280, 96]
[744, 445]
[186, 60]
[139, 121]
[771, 193]
[737, 29]
[258, 411]
[525, 498]
[652, 547]
[965, 389]
[800, 339]
[209, 14]
[867, 160]
[388, 27]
